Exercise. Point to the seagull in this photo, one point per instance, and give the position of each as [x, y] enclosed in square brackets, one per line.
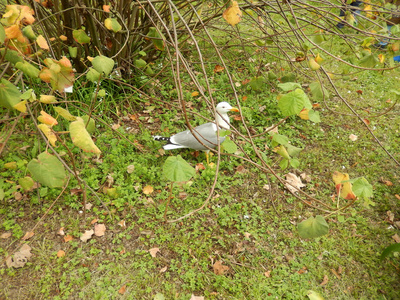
[206, 133]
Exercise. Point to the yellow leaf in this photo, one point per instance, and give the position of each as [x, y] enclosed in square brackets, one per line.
[21, 106]
[46, 129]
[47, 99]
[195, 94]
[64, 113]
[42, 43]
[318, 59]
[81, 138]
[313, 64]
[304, 114]
[345, 187]
[45, 118]
[381, 58]
[148, 189]
[63, 38]
[232, 14]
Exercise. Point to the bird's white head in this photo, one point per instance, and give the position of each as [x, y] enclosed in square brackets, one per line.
[222, 114]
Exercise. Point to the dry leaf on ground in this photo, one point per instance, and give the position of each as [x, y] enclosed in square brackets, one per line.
[293, 181]
[122, 290]
[99, 229]
[148, 189]
[61, 231]
[68, 238]
[324, 281]
[28, 235]
[353, 137]
[20, 258]
[5, 235]
[396, 238]
[153, 251]
[60, 253]
[219, 268]
[87, 235]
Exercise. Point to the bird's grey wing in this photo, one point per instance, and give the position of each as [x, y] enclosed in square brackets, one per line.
[205, 133]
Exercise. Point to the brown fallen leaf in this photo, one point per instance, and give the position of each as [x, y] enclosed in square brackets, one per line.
[219, 268]
[218, 69]
[61, 231]
[390, 216]
[397, 196]
[20, 258]
[28, 235]
[163, 270]
[148, 189]
[293, 180]
[336, 273]
[324, 281]
[94, 221]
[396, 237]
[122, 224]
[267, 274]
[122, 290]
[153, 251]
[5, 235]
[60, 253]
[99, 229]
[87, 235]
[68, 238]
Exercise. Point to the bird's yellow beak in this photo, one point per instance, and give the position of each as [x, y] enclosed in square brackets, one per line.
[234, 109]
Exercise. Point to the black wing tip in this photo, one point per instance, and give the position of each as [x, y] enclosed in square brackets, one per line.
[161, 138]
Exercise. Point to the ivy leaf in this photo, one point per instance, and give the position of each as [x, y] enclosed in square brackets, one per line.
[232, 14]
[313, 227]
[58, 73]
[92, 75]
[80, 36]
[343, 184]
[229, 145]
[64, 113]
[81, 138]
[280, 139]
[362, 188]
[103, 64]
[112, 24]
[369, 61]
[176, 169]
[293, 102]
[48, 170]
[313, 116]
[28, 69]
[289, 86]
[9, 94]
[257, 83]
[318, 92]
[156, 38]
[390, 249]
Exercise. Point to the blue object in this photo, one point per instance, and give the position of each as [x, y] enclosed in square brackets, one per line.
[397, 58]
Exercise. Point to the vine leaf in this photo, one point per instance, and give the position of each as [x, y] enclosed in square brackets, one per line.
[103, 64]
[48, 170]
[233, 14]
[81, 138]
[343, 184]
[9, 94]
[313, 227]
[176, 169]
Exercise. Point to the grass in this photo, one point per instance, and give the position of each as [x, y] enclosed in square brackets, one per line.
[252, 230]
